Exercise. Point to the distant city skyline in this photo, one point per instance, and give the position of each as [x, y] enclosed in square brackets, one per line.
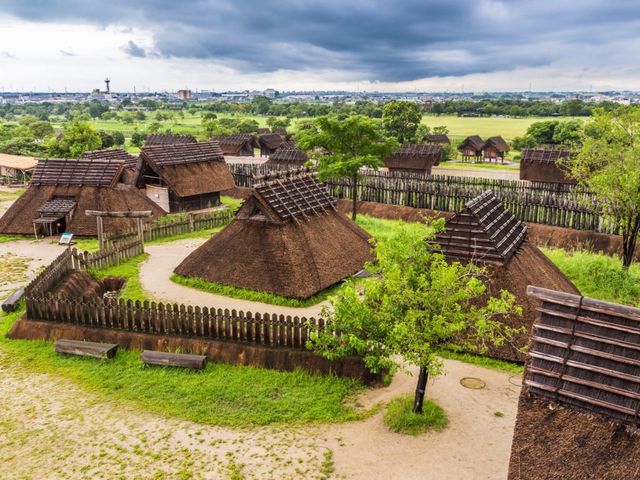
[409, 45]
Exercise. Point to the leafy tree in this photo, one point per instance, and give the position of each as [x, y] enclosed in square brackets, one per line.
[96, 109]
[118, 138]
[214, 128]
[568, 132]
[154, 127]
[351, 144]
[542, 132]
[441, 130]
[416, 304]
[106, 139]
[261, 105]
[275, 122]
[138, 138]
[78, 138]
[209, 116]
[608, 164]
[401, 119]
[27, 120]
[41, 129]
[247, 125]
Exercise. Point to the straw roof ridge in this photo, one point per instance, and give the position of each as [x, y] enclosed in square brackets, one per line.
[473, 141]
[168, 139]
[415, 156]
[498, 142]
[544, 155]
[89, 172]
[437, 138]
[130, 161]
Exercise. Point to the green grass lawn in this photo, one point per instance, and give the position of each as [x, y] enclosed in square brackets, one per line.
[400, 417]
[469, 165]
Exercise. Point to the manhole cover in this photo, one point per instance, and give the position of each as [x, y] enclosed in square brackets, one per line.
[515, 380]
[471, 382]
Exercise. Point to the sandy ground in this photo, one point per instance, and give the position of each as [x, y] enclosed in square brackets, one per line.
[163, 258]
[476, 173]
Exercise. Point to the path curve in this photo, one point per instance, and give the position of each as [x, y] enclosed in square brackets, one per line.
[156, 271]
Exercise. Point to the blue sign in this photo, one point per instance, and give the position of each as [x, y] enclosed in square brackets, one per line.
[65, 239]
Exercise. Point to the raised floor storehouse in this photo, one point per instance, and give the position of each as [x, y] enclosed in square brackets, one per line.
[184, 177]
[287, 239]
[544, 165]
[414, 158]
[485, 233]
[62, 190]
[471, 147]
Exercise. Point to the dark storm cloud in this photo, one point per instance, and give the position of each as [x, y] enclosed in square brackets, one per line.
[134, 50]
[375, 40]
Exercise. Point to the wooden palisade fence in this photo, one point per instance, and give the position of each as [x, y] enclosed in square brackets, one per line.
[560, 205]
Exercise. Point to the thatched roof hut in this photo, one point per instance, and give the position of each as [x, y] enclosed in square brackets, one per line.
[239, 144]
[62, 190]
[16, 168]
[487, 234]
[283, 133]
[288, 154]
[269, 143]
[168, 139]
[578, 413]
[543, 165]
[471, 147]
[414, 158]
[130, 161]
[438, 138]
[287, 239]
[495, 148]
[184, 177]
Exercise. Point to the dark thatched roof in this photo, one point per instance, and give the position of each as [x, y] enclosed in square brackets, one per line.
[130, 161]
[287, 153]
[412, 156]
[483, 232]
[189, 168]
[473, 142]
[239, 144]
[168, 139]
[282, 132]
[287, 239]
[89, 172]
[440, 138]
[270, 142]
[578, 412]
[544, 165]
[498, 143]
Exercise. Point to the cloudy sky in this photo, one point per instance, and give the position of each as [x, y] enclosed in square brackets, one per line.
[447, 45]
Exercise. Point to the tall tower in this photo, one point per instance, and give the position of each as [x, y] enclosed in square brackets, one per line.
[106, 82]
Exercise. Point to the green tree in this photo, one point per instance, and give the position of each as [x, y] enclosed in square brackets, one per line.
[401, 119]
[41, 129]
[261, 105]
[96, 109]
[541, 133]
[568, 133]
[350, 144]
[608, 164]
[118, 138]
[138, 138]
[275, 122]
[106, 139]
[78, 138]
[441, 129]
[416, 304]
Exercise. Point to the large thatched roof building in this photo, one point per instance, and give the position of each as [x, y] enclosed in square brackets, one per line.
[269, 143]
[168, 139]
[471, 147]
[543, 165]
[62, 190]
[495, 148]
[487, 234]
[288, 154]
[414, 158]
[184, 177]
[578, 413]
[130, 161]
[238, 144]
[287, 239]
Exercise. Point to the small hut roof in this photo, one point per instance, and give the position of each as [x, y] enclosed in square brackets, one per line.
[415, 156]
[18, 162]
[168, 139]
[270, 140]
[57, 206]
[89, 172]
[473, 141]
[484, 231]
[437, 138]
[287, 239]
[130, 161]
[498, 143]
[542, 165]
[544, 155]
[190, 168]
[234, 144]
[288, 153]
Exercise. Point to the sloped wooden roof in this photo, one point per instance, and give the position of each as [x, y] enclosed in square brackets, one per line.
[293, 194]
[89, 172]
[168, 139]
[232, 144]
[473, 141]
[415, 156]
[130, 161]
[484, 232]
[586, 353]
[182, 153]
[57, 206]
[498, 143]
[287, 152]
[270, 141]
[544, 155]
[19, 162]
[437, 138]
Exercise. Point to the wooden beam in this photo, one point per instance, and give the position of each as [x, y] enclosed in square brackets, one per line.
[86, 349]
[151, 357]
[126, 214]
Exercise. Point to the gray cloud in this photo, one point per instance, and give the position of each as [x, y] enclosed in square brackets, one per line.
[373, 40]
[134, 50]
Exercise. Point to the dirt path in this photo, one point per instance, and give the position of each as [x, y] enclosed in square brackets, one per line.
[476, 172]
[51, 428]
[163, 258]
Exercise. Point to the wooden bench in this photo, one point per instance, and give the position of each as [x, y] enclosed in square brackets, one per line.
[13, 301]
[152, 357]
[86, 349]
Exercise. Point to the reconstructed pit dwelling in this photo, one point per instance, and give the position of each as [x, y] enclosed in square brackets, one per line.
[414, 158]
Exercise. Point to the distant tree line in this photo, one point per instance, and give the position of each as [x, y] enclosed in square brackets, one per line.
[519, 108]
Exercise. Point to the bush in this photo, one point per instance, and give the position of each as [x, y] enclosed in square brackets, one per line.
[400, 418]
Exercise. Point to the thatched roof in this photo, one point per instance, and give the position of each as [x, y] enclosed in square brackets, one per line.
[239, 144]
[287, 239]
[440, 138]
[270, 141]
[84, 172]
[282, 132]
[189, 168]
[18, 162]
[543, 165]
[168, 139]
[498, 143]
[412, 156]
[474, 142]
[579, 408]
[287, 153]
[485, 233]
[130, 161]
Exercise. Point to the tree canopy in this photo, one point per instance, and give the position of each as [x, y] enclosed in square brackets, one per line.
[401, 119]
[78, 138]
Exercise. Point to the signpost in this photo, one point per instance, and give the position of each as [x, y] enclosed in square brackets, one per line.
[65, 239]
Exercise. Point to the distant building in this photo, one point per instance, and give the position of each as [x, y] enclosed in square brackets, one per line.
[269, 93]
[184, 94]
